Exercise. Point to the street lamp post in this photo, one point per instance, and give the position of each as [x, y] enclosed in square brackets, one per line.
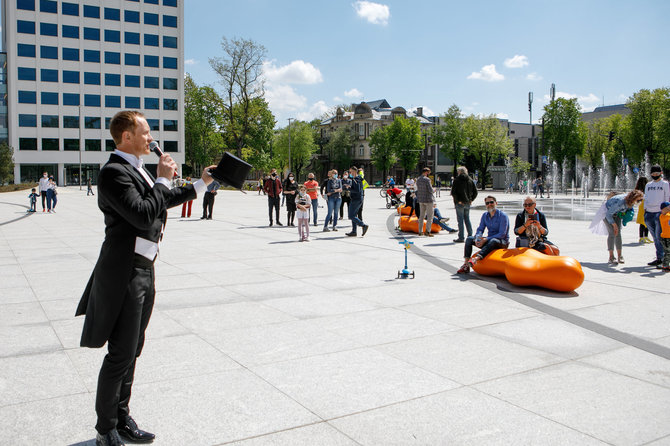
[289, 144]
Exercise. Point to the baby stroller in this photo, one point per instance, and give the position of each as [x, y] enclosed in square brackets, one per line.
[393, 197]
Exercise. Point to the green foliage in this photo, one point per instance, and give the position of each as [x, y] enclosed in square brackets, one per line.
[382, 154]
[339, 147]
[649, 124]
[256, 149]
[450, 136]
[302, 146]
[487, 142]
[203, 116]
[404, 139]
[564, 135]
[6, 163]
[519, 165]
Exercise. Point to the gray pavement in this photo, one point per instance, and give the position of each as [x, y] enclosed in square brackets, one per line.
[257, 339]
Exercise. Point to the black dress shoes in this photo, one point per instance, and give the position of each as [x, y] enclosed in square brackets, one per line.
[111, 438]
[128, 429]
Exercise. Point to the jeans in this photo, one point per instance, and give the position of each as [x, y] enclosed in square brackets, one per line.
[353, 210]
[491, 244]
[612, 239]
[333, 210]
[651, 219]
[437, 216]
[315, 205]
[463, 217]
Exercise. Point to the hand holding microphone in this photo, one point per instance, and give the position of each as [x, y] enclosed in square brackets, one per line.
[167, 168]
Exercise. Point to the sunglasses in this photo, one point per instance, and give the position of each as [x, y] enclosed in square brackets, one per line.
[527, 205]
[489, 202]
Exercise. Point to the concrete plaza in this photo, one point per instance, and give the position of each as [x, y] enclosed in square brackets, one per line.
[258, 339]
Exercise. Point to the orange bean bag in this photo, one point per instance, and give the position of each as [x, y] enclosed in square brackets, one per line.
[528, 267]
[411, 224]
[403, 210]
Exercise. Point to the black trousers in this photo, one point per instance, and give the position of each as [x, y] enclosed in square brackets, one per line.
[273, 203]
[208, 204]
[43, 194]
[124, 346]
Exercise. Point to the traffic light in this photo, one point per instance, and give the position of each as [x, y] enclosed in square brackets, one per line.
[610, 136]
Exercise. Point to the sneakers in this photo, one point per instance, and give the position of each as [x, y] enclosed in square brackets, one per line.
[420, 234]
[334, 229]
[351, 234]
[464, 269]
[459, 240]
[620, 259]
[452, 231]
[665, 268]
[444, 220]
[655, 262]
[365, 229]
[325, 230]
[647, 240]
[612, 261]
[428, 234]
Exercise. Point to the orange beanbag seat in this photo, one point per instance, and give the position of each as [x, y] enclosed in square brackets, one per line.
[403, 210]
[411, 224]
[528, 267]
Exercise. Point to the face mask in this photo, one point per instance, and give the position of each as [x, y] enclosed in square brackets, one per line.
[334, 176]
[291, 177]
[345, 176]
[656, 177]
[274, 175]
[311, 178]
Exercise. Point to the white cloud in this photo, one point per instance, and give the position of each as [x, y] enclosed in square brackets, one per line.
[316, 110]
[190, 62]
[588, 102]
[284, 98]
[375, 13]
[353, 93]
[338, 99]
[502, 115]
[488, 73]
[533, 77]
[297, 72]
[518, 61]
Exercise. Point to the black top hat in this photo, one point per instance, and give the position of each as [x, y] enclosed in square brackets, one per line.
[231, 170]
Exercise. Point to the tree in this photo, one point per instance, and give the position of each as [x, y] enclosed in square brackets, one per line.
[520, 166]
[382, 154]
[404, 136]
[203, 116]
[487, 142]
[563, 132]
[596, 142]
[6, 163]
[339, 147]
[648, 109]
[302, 146]
[256, 150]
[240, 71]
[450, 136]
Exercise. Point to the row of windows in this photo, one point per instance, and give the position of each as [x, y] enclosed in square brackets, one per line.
[93, 78]
[90, 145]
[90, 122]
[111, 57]
[169, 21]
[94, 100]
[110, 35]
[68, 8]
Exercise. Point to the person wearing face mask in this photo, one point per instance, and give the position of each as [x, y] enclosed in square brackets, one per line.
[346, 194]
[655, 192]
[44, 187]
[273, 189]
[290, 189]
[312, 187]
[333, 192]
[496, 223]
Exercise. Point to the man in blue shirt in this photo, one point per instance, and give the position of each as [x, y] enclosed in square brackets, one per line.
[496, 223]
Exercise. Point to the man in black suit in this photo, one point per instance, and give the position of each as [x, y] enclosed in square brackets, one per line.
[119, 296]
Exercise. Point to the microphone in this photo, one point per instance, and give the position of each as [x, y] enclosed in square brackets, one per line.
[153, 146]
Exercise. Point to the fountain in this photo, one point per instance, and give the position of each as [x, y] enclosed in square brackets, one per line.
[564, 176]
[646, 166]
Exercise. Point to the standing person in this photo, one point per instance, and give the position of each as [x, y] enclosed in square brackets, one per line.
[323, 184]
[89, 187]
[357, 194]
[290, 191]
[615, 207]
[208, 200]
[186, 207]
[44, 186]
[655, 192]
[426, 198]
[409, 184]
[333, 192]
[33, 200]
[52, 198]
[119, 296]
[260, 185]
[365, 184]
[664, 221]
[496, 224]
[346, 195]
[273, 190]
[312, 187]
[303, 203]
[438, 185]
[464, 192]
[643, 231]
[540, 186]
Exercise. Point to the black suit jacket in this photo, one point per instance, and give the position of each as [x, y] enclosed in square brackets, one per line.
[132, 209]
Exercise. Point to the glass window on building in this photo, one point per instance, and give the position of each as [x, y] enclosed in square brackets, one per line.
[150, 61]
[71, 145]
[92, 145]
[70, 53]
[92, 100]
[132, 38]
[92, 56]
[110, 146]
[107, 122]
[112, 35]
[112, 79]
[170, 3]
[132, 102]
[91, 34]
[170, 146]
[71, 122]
[26, 5]
[48, 29]
[71, 32]
[170, 21]
[48, 52]
[154, 124]
[27, 120]
[50, 144]
[92, 11]
[131, 16]
[91, 78]
[113, 57]
[70, 77]
[151, 103]
[27, 97]
[170, 83]
[49, 6]
[92, 122]
[48, 75]
[151, 2]
[69, 9]
[50, 121]
[149, 19]
[25, 50]
[132, 59]
[49, 98]
[151, 39]
[170, 125]
[150, 82]
[112, 14]
[132, 81]
[169, 42]
[112, 101]
[71, 99]
[170, 104]
[27, 74]
[27, 143]
[25, 27]
[170, 62]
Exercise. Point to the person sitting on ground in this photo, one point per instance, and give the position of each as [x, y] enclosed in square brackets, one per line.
[496, 223]
[531, 228]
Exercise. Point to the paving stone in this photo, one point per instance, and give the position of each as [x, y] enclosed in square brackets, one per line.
[321, 434]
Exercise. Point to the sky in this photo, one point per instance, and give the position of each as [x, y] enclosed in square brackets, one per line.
[484, 56]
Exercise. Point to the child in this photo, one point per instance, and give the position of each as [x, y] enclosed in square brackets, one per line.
[665, 234]
[303, 202]
[33, 200]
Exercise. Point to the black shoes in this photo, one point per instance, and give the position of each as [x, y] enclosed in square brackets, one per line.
[279, 223]
[111, 438]
[129, 430]
[351, 234]
[365, 229]
[654, 262]
[459, 240]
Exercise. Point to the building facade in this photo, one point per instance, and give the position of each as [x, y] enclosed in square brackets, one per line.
[71, 65]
